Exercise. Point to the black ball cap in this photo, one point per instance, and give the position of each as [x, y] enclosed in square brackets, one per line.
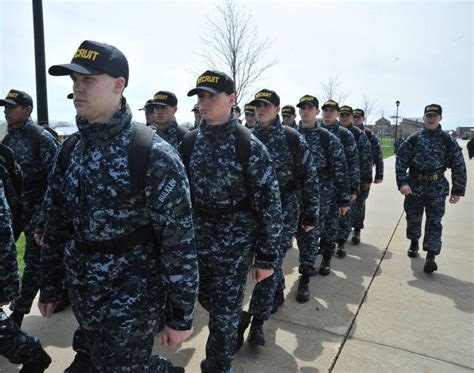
[434, 109]
[346, 109]
[165, 98]
[16, 97]
[267, 96]
[330, 104]
[92, 58]
[288, 110]
[213, 82]
[308, 99]
[359, 112]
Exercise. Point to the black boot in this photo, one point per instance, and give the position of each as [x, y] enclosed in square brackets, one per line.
[81, 364]
[430, 264]
[356, 236]
[341, 248]
[413, 249]
[325, 268]
[39, 365]
[243, 325]
[17, 318]
[278, 300]
[302, 295]
[256, 335]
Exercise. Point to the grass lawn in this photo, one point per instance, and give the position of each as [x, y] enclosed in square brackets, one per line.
[387, 147]
[20, 251]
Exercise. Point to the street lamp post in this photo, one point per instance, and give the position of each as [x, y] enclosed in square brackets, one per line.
[396, 119]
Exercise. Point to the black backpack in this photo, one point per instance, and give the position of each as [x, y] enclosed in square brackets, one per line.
[12, 178]
[447, 140]
[139, 152]
[242, 145]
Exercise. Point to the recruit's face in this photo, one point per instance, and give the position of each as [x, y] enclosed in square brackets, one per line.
[266, 113]
[150, 114]
[358, 120]
[330, 115]
[96, 97]
[165, 113]
[288, 119]
[308, 113]
[215, 108]
[345, 119]
[250, 119]
[15, 115]
[432, 120]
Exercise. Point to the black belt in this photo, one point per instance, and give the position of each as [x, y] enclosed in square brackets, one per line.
[143, 235]
[218, 213]
[426, 176]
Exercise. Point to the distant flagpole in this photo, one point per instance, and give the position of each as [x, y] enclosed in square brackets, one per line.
[40, 63]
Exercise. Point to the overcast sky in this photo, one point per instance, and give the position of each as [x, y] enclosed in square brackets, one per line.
[416, 52]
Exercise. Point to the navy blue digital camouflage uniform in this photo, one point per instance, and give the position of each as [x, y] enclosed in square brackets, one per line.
[169, 134]
[227, 244]
[334, 193]
[428, 155]
[295, 172]
[358, 213]
[15, 345]
[117, 296]
[352, 160]
[364, 151]
[35, 165]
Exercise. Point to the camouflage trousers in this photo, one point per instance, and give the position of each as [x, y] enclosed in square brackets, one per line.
[263, 295]
[225, 251]
[117, 301]
[30, 280]
[329, 221]
[17, 346]
[358, 209]
[434, 207]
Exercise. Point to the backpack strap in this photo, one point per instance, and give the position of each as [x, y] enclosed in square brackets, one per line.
[186, 147]
[293, 140]
[344, 135]
[181, 132]
[65, 153]
[139, 152]
[242, 146]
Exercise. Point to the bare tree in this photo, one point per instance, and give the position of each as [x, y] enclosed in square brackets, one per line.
[368, 105]
[231, 44]
[332, 89]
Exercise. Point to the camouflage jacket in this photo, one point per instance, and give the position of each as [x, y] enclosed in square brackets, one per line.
[429, 154]
[35, 166]
[9, 280]
[350, 151]
[365, 153]
[294, 171]
[94, 201]
[169, 134]
[331, 166]
[377, 155]
[218, 181]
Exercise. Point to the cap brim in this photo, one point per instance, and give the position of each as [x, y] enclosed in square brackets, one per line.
[67, 69]
[9, 102]
[432, 112]
[249, 112]
[254, 102]
[330, 107]
[196, 90]
[304, 103]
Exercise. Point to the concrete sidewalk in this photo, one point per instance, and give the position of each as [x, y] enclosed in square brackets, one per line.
[377, 311]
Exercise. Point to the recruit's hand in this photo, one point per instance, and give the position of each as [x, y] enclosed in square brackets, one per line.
[38, 239]
[378, 181]
[343, 210]
[353, 197]
[405, 190]
[307, 228]
[173, 338]
[454, 199]
[260, 274]
[46, 309]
